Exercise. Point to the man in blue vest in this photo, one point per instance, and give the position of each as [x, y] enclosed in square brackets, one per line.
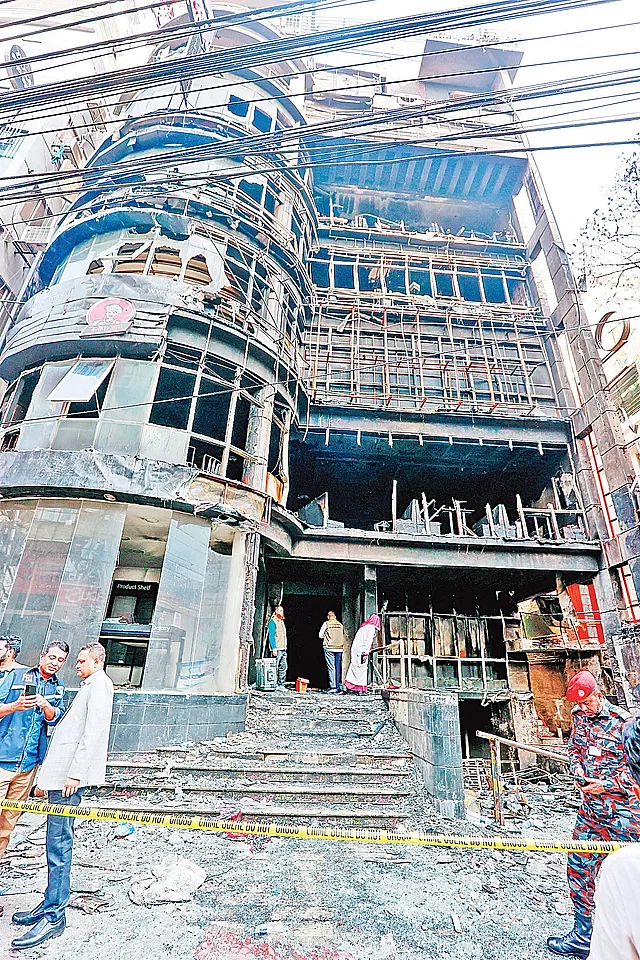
[30, 702]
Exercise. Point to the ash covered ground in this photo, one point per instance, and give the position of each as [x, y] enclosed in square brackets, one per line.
[321, 900]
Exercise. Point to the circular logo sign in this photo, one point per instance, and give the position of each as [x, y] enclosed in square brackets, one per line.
[109, 317]
[20, 72]
[612, 332]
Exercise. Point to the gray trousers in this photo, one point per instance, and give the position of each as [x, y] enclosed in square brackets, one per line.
[281, 666]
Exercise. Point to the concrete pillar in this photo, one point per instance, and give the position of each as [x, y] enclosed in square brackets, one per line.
[258, 439]
[350, 622]
[234, 609]
[370, 591]
[284, 460]
[242, 582]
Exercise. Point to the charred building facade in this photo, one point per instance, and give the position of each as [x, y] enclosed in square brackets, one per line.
[323, 371]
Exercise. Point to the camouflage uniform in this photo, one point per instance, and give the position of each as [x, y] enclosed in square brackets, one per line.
[596, 751]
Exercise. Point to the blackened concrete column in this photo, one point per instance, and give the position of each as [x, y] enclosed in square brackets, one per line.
[259, 438]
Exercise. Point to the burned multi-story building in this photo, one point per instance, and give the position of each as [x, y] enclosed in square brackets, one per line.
[302, 351]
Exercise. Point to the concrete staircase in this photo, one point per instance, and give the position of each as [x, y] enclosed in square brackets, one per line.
[303, 757]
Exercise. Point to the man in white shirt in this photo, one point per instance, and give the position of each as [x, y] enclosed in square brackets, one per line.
[76, 759]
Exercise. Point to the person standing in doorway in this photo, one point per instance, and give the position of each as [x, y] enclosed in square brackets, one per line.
[610, 809]
[277, 636]
[77, 758]
[332, 636]
[357, 674]
[30, 702]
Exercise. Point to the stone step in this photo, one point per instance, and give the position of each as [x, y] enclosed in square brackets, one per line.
[332, 729]
[271, 772]
[373, 758]
[339, 792]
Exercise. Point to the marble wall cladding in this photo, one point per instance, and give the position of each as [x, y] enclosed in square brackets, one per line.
[430, 724]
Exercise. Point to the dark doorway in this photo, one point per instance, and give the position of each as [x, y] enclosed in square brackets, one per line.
[304, 615]
[474, 717]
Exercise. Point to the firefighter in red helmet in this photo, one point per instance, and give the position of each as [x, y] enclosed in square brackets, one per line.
[610, 809]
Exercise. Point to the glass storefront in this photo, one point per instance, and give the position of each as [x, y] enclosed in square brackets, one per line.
[61, 583]
[186, 635]
[60, 579]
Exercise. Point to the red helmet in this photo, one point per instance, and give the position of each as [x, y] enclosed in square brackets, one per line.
[581, 686]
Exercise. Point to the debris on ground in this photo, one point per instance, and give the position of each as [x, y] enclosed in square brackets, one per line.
[318, 900]
[168, 882]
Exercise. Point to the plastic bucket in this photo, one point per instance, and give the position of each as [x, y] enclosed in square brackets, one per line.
[301, 685]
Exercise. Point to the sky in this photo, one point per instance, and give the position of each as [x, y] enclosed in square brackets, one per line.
[577, 181]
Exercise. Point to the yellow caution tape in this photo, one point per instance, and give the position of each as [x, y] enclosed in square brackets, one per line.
[263, 828]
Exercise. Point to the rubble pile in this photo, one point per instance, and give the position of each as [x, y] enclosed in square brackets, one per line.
[156, 893]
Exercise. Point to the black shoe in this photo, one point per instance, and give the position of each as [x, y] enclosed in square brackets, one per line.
[576, 943]
[27, 918]
[43, 930]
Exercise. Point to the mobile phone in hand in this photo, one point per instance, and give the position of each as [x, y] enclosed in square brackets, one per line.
[30, 690]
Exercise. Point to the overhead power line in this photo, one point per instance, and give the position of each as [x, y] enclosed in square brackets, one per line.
[237, 82]
[314, 136]
[264, 53]
[170, 31]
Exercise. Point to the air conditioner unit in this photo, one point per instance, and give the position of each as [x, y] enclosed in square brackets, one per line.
[34, 235]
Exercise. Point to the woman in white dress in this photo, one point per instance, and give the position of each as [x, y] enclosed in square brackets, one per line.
[356, 679]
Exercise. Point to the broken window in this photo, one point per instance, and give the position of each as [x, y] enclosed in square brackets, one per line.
[469, 286]
[18, 398]
[370, 277]
[396, 280]
[92, 407]
[172, 400]
[494, 289]
[517, 288]
[212, 409]
[494, 640]
[206, 456]
[420, 282]
[220, 369]
[270, 201]
[241, 423]
[197, 271]
[77, 430]
[275, 448]
[166, 262]
[260, 288]
[88, 252]
[320, 273]
[81, 382]
[238, 273]
[343, 273]
[253, 189]
[445, 640]
[444, 282]
[131, 258]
